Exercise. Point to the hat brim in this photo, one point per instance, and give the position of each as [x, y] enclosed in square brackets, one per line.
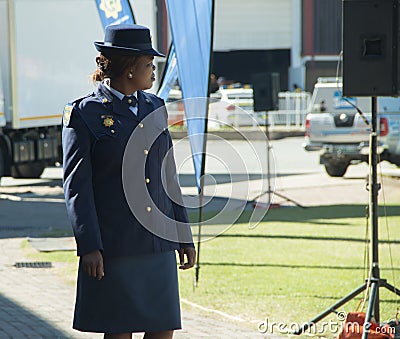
[117, 50]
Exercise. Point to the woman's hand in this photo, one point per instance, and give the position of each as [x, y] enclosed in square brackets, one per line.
[191, 257]
[93, 264]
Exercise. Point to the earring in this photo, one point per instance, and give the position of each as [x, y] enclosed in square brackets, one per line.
[130, 75]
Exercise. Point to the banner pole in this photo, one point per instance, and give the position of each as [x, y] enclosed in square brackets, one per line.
[203, 154]
[165, 69]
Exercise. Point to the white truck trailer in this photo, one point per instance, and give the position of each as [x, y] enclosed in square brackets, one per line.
[46, 59]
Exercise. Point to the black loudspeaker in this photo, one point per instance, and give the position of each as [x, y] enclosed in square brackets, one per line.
[266, 87]
[370, 47]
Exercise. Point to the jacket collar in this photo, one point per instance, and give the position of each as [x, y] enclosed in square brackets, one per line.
[145, 105]
[111, 102]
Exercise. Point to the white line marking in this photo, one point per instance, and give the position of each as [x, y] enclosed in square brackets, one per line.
[212, 311]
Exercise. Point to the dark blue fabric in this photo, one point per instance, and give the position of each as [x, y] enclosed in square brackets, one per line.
[137, 294]
[95, 199]
[126, 40]
[130, 100]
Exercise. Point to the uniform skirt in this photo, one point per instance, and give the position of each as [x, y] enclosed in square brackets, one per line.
[136, 294]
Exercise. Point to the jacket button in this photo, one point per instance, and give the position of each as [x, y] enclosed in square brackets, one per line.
[104, 100]
[112, 131]
[145, 151]
[148, 209]
[147, 180]
[141, 125]
[129, 101]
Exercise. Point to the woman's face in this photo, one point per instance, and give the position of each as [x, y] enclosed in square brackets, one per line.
[144, 72]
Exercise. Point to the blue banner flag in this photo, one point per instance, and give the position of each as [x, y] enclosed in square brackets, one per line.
[114, 12]
[191, 23]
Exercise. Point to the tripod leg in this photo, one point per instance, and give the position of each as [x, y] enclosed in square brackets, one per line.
[288, 199]
[391, 288]
[331, 309]
[370, 309]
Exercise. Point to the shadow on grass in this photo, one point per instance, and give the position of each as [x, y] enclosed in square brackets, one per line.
[319, 215]
[188, 180]
[303, 237]
[323, 267]
[337, 298]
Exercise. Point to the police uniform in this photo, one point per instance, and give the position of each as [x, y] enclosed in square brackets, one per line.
[122, 208]
[140, 267]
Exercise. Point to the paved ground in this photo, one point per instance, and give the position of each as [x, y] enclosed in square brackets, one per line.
[36, 303]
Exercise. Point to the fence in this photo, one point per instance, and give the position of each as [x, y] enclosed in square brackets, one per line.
[292, 110]
[290, 115]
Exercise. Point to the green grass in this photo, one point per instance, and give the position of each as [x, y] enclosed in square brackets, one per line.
[293, 265]
[56, 256]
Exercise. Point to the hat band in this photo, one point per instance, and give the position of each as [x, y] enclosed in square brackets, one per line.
[136, 46]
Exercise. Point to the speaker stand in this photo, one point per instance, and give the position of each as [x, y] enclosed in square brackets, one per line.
[375, 282]
[269, 191]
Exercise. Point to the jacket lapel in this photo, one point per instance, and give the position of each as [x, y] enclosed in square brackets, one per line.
[145, 105]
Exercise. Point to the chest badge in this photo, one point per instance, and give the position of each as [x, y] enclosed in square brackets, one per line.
[108, 122]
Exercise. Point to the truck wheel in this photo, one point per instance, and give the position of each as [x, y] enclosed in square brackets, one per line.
[336, 169]
[32, 170]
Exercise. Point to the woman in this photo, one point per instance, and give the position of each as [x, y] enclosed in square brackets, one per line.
[127, 280]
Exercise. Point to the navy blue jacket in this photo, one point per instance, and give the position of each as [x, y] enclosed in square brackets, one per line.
[96, 130]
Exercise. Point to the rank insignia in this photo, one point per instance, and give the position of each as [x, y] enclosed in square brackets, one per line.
[67, 114]
[108, 122]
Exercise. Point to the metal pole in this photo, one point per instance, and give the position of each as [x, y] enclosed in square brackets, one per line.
[375, 281]
[203, 160]
[199, 230]
[268, 156]
[373, 208]
[373, 300]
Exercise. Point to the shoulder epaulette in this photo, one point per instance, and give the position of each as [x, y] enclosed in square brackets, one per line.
[69, 108]
[67, 114]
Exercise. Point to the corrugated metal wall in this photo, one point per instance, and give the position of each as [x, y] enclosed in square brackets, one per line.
[327, 26]
[322, 27]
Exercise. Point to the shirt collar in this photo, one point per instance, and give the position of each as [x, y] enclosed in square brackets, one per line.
[118, 94]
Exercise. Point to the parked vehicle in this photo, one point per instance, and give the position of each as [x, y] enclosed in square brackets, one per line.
[236, 107]
[229, 107]
[339, 132]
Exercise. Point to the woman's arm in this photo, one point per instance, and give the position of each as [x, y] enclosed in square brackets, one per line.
[174, 191]
[77, 179]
